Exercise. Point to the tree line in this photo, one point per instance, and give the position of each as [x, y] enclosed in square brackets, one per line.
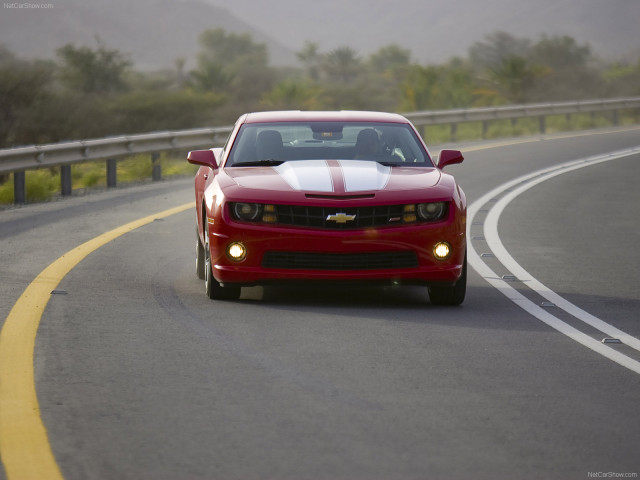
[95, 91]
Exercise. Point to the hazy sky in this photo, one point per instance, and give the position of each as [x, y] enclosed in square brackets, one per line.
[157, 32]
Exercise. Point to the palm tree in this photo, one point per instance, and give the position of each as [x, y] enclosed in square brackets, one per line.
[342, 64]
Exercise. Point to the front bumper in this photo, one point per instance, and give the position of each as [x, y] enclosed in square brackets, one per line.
[353, 246]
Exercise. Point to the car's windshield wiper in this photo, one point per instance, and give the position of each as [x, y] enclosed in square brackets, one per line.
[259, 163]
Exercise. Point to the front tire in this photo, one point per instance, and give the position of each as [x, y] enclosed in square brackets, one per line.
[451, 295]
[214, 290]
[200, 271]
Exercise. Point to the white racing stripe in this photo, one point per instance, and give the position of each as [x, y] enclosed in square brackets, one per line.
[307, 175]
[315, 175]
[362, 176]
[520, 185]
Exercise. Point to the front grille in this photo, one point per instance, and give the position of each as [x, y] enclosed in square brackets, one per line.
[340, 261]
[303, 216]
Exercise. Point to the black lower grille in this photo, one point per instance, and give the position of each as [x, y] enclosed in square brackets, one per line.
[340, 261]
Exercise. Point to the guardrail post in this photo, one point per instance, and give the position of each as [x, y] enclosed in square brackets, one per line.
[543, 124]
[65, 179]
[156, 168]
[111, 173]
[485, 129]
[454, 130]
[19, 188]
[616, 119]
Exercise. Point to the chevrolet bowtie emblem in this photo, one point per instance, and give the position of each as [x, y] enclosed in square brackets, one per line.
[340, 218]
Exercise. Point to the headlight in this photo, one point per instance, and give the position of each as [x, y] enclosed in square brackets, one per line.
[432, 211]
[249, 212]
[254, 212]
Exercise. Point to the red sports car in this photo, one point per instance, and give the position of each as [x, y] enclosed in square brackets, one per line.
[328, 196]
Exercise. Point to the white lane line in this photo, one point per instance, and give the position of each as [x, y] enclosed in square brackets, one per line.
[520, 185]
[493, 238]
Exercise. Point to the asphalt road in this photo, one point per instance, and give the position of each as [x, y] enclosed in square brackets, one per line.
[140, 376]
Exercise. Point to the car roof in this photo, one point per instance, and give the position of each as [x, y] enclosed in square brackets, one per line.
[323, 116]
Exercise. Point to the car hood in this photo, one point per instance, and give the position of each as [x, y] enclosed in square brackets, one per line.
[334, 176]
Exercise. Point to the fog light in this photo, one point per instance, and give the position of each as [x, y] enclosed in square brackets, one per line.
[236, 251]
[442, 250]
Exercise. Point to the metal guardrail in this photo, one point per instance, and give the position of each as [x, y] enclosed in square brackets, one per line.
[64, 154]
[439, 117]
[540, 110]
[39, 156]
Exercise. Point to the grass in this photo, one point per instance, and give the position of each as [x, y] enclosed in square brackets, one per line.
[40, 186]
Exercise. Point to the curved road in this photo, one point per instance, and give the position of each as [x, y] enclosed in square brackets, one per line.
[139, 376]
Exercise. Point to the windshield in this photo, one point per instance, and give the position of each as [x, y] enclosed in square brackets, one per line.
[274, 143]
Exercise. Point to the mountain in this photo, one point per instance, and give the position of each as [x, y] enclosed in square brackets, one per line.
[153, 32]
[157, 32]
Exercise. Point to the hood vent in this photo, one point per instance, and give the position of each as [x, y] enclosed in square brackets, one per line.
[339, 197]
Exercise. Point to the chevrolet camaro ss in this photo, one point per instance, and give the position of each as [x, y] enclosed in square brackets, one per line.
[329, 196]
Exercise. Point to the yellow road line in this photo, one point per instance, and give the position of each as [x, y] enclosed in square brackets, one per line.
[24, 444]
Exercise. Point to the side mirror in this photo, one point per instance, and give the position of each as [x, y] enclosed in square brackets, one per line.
[449, 157]
[203, 157]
